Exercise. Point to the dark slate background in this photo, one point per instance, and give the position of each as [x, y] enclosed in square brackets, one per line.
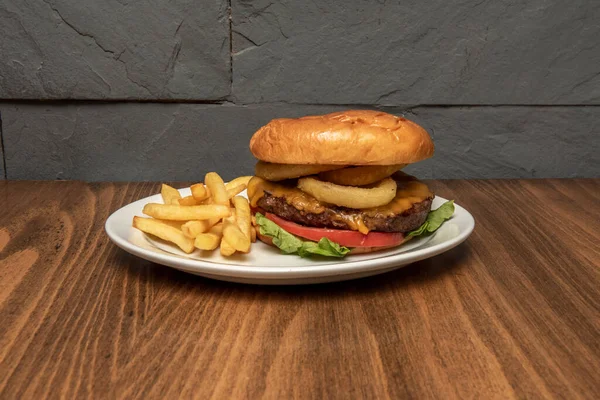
[154, 90]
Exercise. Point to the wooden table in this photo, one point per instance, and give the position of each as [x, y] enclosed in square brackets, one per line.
[513, 312]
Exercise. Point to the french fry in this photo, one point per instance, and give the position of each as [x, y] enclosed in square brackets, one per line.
[226, 249]
[207, 201]
[241, 180]
[211, 239]
[213, 216]
[217, 188]
[234, 191]
[242, 215]
[192, 229]
[186, 213]
[165, 232]
[187, 201]
[234, 236]
[169, 194]
[200, 192]
[174, 224]
[212, 221]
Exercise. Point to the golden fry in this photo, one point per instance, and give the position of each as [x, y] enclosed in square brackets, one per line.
[187, 201]
[192, 229]
[211, 221]
[169, 194]
[234, 191]
[211, 239]
[165, 232]
[200, 192]
[186, 213]
[226, 248]
[174, 224]
[213, 216]
[241, 180]
[242, 215]
[207, 241]
[234, 236]
[217, 188]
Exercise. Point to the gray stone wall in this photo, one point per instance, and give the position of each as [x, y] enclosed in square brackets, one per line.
[155, 90]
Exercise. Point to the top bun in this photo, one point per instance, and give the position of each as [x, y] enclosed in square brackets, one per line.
[356, 137]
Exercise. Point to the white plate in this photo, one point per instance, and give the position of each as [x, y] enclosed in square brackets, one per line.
[266, 265]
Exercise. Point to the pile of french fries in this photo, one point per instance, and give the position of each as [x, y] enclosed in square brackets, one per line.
[213, 216]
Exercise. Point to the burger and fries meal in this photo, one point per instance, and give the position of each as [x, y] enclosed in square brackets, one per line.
[327, 185]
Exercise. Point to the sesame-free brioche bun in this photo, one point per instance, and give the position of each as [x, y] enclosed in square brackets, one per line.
[355, 137]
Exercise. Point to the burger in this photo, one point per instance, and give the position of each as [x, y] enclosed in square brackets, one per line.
[330, 185]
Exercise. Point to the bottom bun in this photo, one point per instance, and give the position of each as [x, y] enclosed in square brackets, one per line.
[355, 250]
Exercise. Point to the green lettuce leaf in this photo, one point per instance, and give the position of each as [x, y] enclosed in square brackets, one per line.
[434, 220]
[290, 244]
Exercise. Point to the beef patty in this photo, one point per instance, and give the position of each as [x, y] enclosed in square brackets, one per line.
[403, 222]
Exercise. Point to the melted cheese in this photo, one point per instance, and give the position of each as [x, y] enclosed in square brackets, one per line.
[354, 221]
[294, 196]
[410, 191]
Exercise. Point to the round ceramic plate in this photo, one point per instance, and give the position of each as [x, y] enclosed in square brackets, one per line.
[266, 265]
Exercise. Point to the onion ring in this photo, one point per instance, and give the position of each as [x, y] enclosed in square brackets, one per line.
[349, 196]
[280, 172]
[360, 176]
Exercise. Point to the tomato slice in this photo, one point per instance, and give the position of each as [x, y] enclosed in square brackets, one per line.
[343, 237]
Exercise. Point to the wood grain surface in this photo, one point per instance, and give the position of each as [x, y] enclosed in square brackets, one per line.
[514, 312]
